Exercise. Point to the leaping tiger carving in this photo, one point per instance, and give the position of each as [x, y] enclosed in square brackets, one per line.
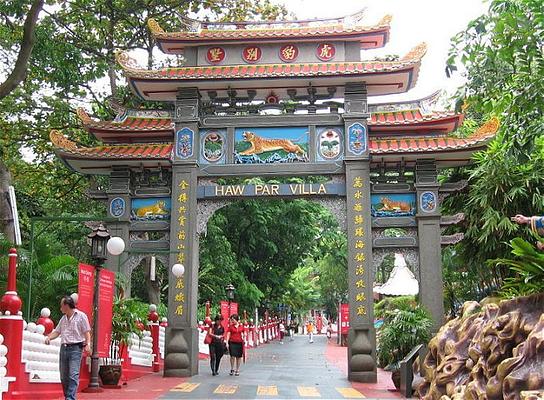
[261, 145]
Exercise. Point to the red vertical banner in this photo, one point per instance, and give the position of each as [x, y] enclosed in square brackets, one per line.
[234, 309]
[224, 306]
[105, 304]
[344, 319]
[85, 290]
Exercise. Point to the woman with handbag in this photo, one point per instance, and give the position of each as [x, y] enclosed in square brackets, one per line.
[235, 343]
[216, 343]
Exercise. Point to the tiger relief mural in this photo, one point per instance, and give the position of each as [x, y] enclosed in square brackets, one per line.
[271, 145]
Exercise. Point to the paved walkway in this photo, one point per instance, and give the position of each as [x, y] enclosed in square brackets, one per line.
[294, 370]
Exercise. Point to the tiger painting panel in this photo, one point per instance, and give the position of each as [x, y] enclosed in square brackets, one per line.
[393, 205]
[271, 145]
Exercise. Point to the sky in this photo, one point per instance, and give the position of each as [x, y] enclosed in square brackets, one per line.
[414, 21]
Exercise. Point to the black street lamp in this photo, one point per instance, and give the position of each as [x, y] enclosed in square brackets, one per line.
[99, 239]
[230, 294]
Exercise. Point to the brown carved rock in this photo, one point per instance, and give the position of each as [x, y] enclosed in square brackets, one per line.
[490, 354]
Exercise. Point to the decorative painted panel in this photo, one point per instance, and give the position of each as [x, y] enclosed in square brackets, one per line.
[152, 209]
[330, 143]
[184, 143]
[357, 138]
[271, 145]
[393, 205]
[212, 146]
[427, 202]
[117, 207]
[325, 51]
[288, 53]
[215, 55]
[252, 54]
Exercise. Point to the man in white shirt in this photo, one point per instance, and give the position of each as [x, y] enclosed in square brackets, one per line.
[75, 333]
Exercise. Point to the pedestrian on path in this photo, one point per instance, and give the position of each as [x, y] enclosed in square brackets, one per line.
[282, 331]
[217, 346]
[293, 328]
[310, 330]
[235, 343]
[75, 333]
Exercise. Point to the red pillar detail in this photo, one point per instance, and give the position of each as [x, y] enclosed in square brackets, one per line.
[153, 318]
[12, 271]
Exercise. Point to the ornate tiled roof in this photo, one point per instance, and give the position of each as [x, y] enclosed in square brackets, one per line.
[380, 77]
[407, 117]
[128, 123]
[272, 70]
[377, 146]
[134, 151]
[301, 31]
[147, 124]
[423, 144]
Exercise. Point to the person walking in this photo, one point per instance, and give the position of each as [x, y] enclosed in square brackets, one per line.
[217, 346]
[235, 343]
[282, 331]
[75, 333]
[293, 328]
[310, 330]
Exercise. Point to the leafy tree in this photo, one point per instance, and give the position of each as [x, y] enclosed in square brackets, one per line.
[502, 55]
[19, 71]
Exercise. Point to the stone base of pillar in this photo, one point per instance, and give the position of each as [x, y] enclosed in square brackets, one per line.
[181, 348]
[361, 356]
[363, 377]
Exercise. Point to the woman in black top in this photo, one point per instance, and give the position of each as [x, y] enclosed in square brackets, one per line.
[217, 345]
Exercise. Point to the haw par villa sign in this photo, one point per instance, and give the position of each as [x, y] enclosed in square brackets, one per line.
[292, 189]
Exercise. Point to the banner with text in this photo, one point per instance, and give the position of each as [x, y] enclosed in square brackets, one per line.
[344, 319]
[225, 312]
[280, 190]
[105, 305]
[85, 290]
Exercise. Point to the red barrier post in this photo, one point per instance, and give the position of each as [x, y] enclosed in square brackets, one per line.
[153, 319]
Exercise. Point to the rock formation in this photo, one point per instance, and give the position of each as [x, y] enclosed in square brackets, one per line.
[492, 352]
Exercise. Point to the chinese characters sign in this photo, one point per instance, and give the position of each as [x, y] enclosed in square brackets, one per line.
[85, 290]
[344, 318]
[289, 53]
[252, 54]
[182, 201]
[359, 245]
[325, 51]
[105, 304]
[215, 55]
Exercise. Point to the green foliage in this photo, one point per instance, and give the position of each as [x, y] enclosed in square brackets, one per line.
[405, 329]
[302, 290]
[387, 307]
[257, 245]
[528, 269]
[53, 276]
[502, 55]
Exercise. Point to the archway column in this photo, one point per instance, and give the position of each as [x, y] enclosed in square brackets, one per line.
[431, 287]
[181, 341]
[362, 335]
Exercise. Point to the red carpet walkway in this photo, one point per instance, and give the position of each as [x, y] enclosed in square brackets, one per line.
[384, 389]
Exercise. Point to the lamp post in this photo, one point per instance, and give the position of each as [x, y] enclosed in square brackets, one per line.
[230, 294]
[101, 244]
